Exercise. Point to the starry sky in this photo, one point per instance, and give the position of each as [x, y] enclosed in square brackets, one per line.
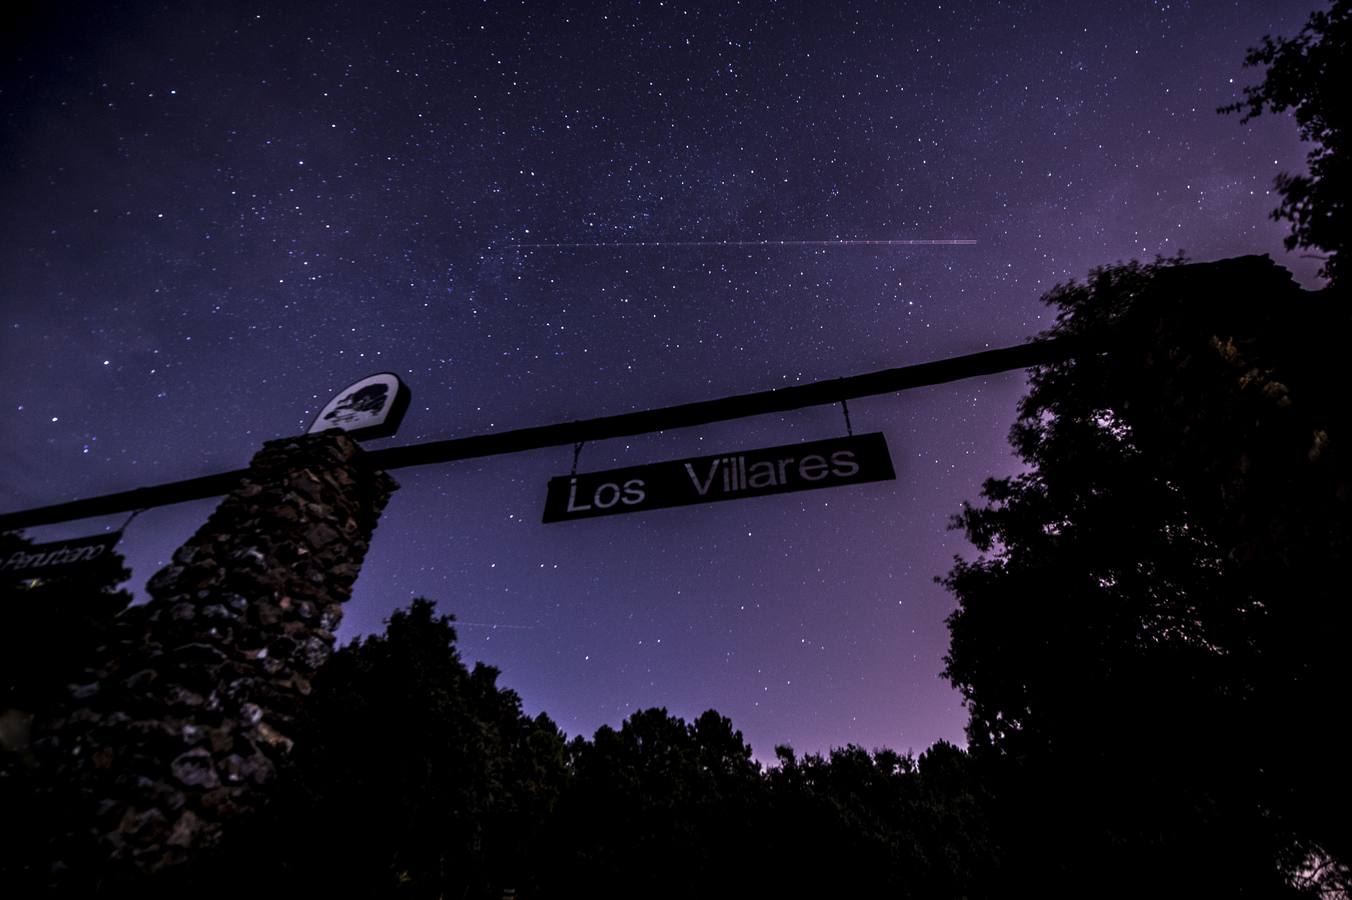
[215, 216]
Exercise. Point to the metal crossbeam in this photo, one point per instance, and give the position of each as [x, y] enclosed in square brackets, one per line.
[819, 393]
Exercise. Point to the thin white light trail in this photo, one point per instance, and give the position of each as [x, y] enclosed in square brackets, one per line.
[587, 245]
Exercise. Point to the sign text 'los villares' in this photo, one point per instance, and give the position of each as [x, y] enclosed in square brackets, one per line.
[730, 476]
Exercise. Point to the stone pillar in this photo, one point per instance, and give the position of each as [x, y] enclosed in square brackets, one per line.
[187, 715]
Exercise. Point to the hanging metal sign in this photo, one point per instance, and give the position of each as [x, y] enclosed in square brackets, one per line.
[56, 558]
[371, 408]
[732, 476]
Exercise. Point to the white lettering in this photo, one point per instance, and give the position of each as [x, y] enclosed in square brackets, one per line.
[58, 557]
[572, 498]
[601, 503]
[713, 469]
[843, 461]
[634, 492]
[814, 462]
[762, 474]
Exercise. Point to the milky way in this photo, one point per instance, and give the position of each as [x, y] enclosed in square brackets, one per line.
[938, 242]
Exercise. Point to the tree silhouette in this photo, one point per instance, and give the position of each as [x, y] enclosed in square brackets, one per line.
[49, 631]
[48, 628]
[412, 776]
[855, 822]
[1303, 74]
[1147, 643]
[658, 808]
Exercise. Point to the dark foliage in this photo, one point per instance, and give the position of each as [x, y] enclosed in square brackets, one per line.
[660, 808]
[49, 627]
[860, 822]
[415, 776]
[49, 630]
[1303, 74]
[1150, 644]
[412, 776]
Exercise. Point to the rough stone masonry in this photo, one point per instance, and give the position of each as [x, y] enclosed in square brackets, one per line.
[177, 730]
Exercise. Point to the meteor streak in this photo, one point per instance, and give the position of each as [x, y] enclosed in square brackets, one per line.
[581, 245]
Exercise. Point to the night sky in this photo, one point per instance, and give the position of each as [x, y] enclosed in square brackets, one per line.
[218, 215]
